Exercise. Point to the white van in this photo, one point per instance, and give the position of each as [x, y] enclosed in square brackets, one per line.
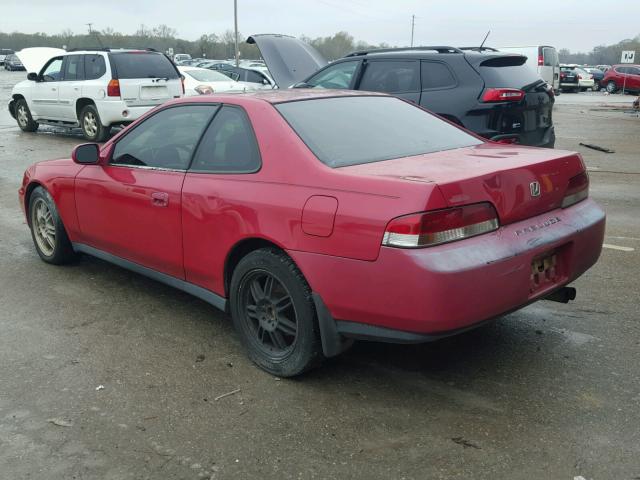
[543, 59]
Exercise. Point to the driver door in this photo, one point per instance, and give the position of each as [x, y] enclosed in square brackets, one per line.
[130, 207]
[46, 91]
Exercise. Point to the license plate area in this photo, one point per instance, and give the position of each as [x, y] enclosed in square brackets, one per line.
[547, 271]
[154, 93]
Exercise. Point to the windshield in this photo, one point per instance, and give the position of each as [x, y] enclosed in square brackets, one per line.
[207, 76]
[344, 131]
[143, 65]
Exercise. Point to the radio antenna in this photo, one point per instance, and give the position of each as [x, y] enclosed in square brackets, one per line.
[485, 39]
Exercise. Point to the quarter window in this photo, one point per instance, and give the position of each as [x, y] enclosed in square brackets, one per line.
[335, 76]
[94, 66]
[229, 145]
[436, 75]
[53, 71]
[391, 77]
[164, 140]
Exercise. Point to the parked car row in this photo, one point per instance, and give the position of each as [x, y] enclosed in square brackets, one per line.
[576, 79]
[494, 94]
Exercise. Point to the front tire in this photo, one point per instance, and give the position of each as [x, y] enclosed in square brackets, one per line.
[24, 118]
[274, 314]
[611, 87]
[48, 233]
[92, 128]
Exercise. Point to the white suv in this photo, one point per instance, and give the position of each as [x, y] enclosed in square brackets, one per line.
[94, 89]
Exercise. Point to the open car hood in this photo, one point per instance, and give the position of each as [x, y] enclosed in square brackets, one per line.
[34, 58]
[288, 59]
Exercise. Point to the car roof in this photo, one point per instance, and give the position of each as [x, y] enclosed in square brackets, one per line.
[274, 96]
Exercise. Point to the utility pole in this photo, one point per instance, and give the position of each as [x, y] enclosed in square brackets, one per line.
[413, 23]
[89, 25]
[235, 21]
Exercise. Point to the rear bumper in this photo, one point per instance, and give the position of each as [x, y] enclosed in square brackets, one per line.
[111, 112]
[423, 294]
[543, 137]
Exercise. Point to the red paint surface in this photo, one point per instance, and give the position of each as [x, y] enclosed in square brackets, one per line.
[336, 239]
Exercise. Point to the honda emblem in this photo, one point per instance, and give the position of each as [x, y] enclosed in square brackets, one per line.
[534, 187]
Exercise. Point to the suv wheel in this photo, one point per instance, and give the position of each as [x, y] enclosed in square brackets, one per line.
[92, 127]
[274, 314]
[23, 117]
[611, 87]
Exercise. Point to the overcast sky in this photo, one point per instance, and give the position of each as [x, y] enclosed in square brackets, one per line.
[575, 24]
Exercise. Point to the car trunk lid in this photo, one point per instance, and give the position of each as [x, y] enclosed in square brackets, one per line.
[520, 182]
[288, 59]
[145, 78]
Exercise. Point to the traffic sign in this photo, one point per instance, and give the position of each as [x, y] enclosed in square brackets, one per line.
[628, 56]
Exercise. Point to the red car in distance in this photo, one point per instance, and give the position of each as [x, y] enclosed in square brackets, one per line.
[319, 217]
[619, 76]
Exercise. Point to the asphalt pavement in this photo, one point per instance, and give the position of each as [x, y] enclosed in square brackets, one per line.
[105, 374]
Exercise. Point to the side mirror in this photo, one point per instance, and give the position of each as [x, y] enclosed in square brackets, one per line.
[32, 76]
[86, 154]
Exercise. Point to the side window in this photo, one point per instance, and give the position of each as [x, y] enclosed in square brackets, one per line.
[253, 77]
[634, 70]
[550, 57]
[229, 145]
[622, 69]
[390, 76]
[73, 68]
[436, 75]
[164, 140]
[335, 76]
[94, 66]
[53, 71]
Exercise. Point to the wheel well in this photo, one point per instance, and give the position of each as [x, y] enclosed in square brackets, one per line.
[81, 103]
[238, 252]
[27, 195]
[12, 104]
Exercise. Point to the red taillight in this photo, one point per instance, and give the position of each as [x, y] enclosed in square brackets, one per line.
[502, 95]
[113, 89]
[577, 190]
[440, 226]
[540, 60]
[579, 77]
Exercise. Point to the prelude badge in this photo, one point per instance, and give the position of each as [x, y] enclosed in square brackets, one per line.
[539, 226]
[534, 188]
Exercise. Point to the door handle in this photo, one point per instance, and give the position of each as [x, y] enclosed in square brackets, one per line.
[159, 199]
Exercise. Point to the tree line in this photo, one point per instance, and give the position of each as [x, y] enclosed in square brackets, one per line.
[221, 46]
[602, 54]
[163, 37]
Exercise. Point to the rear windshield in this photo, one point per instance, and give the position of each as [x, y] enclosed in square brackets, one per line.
[346, 131]
[510, 72]
[143, 65]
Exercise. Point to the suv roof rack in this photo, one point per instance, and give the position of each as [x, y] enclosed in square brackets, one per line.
[480, 49]
[439, 49]
[107, 49]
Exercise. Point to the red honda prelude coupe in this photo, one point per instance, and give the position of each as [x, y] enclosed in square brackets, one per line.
[316, 218]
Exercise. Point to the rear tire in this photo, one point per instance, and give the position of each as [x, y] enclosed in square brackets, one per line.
[48, 233]
[274, 314]
[92, 128]
[611, 87]
[24, 118]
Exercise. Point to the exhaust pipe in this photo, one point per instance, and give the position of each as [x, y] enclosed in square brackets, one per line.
[562, 295]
